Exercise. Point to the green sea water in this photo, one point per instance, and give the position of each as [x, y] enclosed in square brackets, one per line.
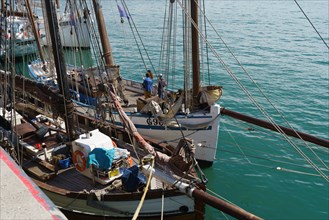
[255, 169]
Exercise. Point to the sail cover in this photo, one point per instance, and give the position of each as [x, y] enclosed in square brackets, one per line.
[210, 94]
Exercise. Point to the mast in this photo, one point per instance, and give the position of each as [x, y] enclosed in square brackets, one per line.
[60, 66]
[35, 33]
[103, 34]
[107, 51]
[195, 51]
[3, 9]
[57, 4]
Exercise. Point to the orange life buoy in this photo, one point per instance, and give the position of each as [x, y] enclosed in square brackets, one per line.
[79, 160]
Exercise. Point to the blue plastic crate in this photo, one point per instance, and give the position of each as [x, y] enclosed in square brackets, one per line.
[63, 164]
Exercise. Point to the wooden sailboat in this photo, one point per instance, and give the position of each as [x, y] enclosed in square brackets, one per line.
[195, 114]
[73, 26]
[101, 189]
[17, 37]
[18, 24]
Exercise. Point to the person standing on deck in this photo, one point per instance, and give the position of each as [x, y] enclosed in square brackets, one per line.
[147, 86]
[162, 83]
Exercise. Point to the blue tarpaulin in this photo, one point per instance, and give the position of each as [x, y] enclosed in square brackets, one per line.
[101, 158]
[132, 179]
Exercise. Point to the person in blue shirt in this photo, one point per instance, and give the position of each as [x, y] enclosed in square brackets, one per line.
[147, 86]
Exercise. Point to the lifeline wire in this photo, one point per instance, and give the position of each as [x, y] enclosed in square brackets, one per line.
[253, 100]
[312, 24]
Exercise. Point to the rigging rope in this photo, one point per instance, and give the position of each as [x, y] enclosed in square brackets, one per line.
[262, 158]
[163, 39]
[243, 88]
[205, 32]
[77, 28]
[162, 201]
[311, 24]
[94, 37]
[139, 37]
[122, 29]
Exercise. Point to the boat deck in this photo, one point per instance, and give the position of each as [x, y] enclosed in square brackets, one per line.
[70, 179]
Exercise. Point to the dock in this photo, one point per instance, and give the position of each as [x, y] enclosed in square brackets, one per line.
[20, 197]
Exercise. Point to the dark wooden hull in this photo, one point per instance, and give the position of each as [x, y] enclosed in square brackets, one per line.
[90, 203]
[78, 216]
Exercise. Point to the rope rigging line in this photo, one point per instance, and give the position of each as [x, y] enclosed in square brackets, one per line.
[311, 24]
[162, 202]
[167, 42]
[14, 137]
[17, 141]
[242, 87]
[171, 42]
[264, 95]
[162, 49]
[94, 37]
[187, 56]
[240, 148]
[173, 66]
[139, 37]
[266, 159]
[271, 160]
[76, 28]
[259, 89]
[96, 45]
[122, 29]
[268, 99]
[320, 150]
[205, 31]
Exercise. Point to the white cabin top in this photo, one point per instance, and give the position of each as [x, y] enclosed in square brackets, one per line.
[94, 139]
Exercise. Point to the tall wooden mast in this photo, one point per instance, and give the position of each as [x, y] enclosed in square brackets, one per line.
[107, 52]
[34, 29]
[57, 4]
[60, 66]
[3, 7]
[195, 51]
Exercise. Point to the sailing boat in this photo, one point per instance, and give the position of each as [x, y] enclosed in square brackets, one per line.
[82, 190]
[104, 181]
[192, 113]
[73, 26]
[17, 27]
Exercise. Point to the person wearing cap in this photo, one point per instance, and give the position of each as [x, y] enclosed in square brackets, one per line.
[162, 83]
[147, 86]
